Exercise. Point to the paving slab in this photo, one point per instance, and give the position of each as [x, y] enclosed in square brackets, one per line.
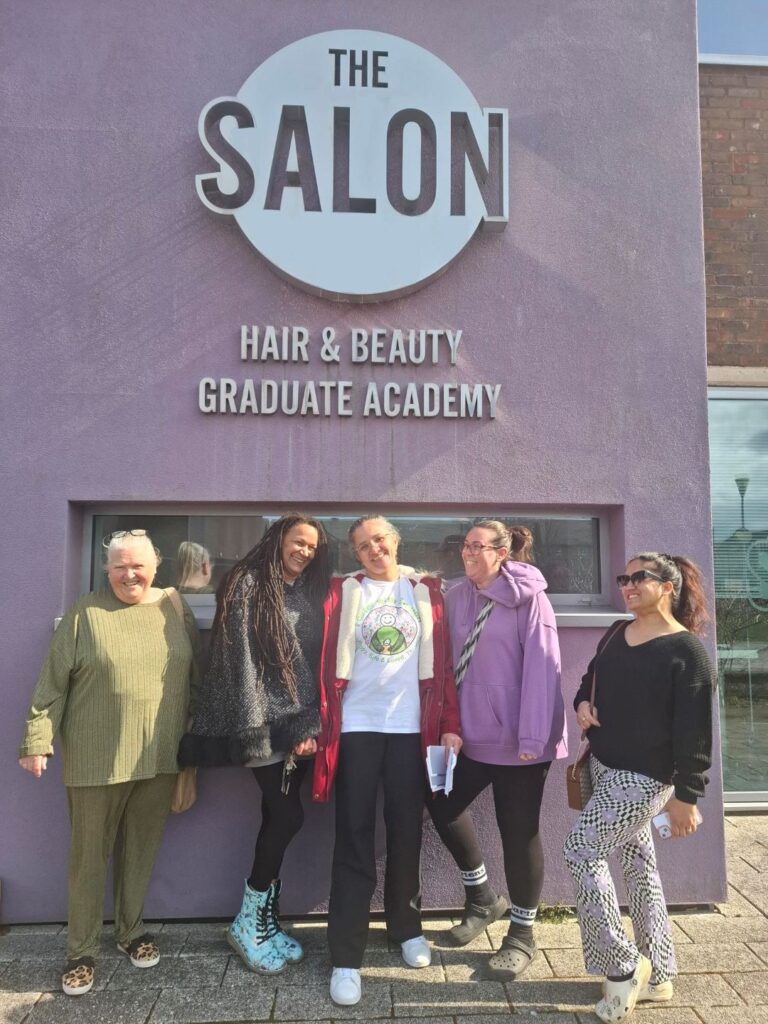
[452, 998]
[95, 1008]
[511, 1017]
[713, 958]
[308, 1002]
[753, 853]
[14, 1006]
[750, 824]
[662, 1015]
[753, 988]
[737, 906]
[37, 944]
[172, 972]
[553, 996]
[473, 966]
[760, 949]
[724, 930]
[380, 966]
[44, 975]
[557, 936]
[314, 969]
[314, 936]
[43, 929]
[733, 1015]
[565, 963]
[701, 990]
[212, 1006]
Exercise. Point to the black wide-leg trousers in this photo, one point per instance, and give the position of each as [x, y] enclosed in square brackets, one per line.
[365, 760]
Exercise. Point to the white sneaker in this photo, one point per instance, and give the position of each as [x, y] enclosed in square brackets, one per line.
[416, 952]
[345, 986]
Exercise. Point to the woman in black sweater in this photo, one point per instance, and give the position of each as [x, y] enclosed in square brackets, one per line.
[650, 735]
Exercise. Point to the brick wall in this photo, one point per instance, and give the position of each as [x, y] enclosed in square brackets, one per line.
[734, 151]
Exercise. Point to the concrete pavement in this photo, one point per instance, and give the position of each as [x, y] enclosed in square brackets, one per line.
[722, 956]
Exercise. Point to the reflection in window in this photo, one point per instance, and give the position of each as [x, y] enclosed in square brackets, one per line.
[739, 462]
[566, 548]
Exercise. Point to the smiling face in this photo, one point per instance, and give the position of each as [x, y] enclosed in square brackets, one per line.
[131, 568]
[647, 596]
[482, 559]
[376, 549]
[297, 551]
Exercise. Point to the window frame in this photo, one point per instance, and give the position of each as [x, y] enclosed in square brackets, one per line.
[587, 610]
[736, 800]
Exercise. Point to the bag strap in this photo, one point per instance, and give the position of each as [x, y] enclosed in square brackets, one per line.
[471, 642]
[617, 626]
[175, 599]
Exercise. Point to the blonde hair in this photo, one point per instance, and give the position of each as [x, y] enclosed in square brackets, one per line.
[190, 559]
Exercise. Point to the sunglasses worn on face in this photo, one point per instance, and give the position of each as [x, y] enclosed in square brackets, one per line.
[637, 577]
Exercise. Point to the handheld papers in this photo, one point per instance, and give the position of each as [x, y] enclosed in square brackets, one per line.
[439, 770]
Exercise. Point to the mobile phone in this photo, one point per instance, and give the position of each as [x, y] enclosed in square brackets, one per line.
[663, 826]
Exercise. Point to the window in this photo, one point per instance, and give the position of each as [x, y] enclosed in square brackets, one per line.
[567, 548]
[739, 462]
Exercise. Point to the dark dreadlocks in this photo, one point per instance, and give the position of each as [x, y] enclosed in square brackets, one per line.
[272, 643]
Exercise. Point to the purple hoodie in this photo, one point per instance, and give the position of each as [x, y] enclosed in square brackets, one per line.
[510, 699]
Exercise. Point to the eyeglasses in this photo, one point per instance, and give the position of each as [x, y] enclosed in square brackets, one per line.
[624, 580]
[476, 547]
[378, 540]
[122, 533]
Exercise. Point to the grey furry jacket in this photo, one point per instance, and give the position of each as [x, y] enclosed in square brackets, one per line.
[243, 711]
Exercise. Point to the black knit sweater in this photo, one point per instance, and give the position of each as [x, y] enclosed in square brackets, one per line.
[654, 703]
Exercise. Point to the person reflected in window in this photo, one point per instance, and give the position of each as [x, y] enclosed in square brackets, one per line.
[259, 707]
[650, 736]
[387, 692]
[507, 666]
[193, 568]
[115, 687]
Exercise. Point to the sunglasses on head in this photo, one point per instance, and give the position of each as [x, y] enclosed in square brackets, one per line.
[624, 580]
[118, 534]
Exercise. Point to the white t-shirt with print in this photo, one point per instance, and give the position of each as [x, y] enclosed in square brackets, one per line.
[383, 691]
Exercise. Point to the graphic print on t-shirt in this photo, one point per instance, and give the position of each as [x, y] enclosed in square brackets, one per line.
[388, 632]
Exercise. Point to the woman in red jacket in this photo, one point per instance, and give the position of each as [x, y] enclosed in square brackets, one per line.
[386, 693]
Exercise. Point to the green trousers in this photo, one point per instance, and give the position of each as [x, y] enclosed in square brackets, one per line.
[125, 820]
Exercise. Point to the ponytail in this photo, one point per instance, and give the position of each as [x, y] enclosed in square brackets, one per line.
[689, 604]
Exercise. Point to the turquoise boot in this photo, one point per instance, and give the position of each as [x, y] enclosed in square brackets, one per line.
[251, 935]
[290, 948]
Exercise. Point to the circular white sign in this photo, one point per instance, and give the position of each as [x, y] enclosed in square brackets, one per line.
[350, 142]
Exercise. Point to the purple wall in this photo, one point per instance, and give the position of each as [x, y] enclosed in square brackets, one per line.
[121, 291]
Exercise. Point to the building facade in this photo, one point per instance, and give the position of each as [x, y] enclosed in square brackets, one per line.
[453, 268]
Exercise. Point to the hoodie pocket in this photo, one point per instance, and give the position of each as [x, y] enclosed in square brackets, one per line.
[489, 714]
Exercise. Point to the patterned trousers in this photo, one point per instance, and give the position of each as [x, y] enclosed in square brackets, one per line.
[618, 817]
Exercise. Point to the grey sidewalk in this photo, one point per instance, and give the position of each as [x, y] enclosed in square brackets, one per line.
[723, 960]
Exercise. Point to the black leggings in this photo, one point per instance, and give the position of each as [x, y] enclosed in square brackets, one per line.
[281, 818]
[517, 795]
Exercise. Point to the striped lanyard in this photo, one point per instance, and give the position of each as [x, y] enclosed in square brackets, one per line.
[471, 643]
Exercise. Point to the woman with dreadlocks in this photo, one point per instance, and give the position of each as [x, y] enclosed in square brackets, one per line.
[259, 707]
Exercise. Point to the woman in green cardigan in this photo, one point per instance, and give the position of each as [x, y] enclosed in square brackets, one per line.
[115, 687]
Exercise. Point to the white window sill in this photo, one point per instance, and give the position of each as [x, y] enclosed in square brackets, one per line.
[588, 618]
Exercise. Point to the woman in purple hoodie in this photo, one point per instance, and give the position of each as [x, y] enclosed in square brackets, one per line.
[507, 666]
